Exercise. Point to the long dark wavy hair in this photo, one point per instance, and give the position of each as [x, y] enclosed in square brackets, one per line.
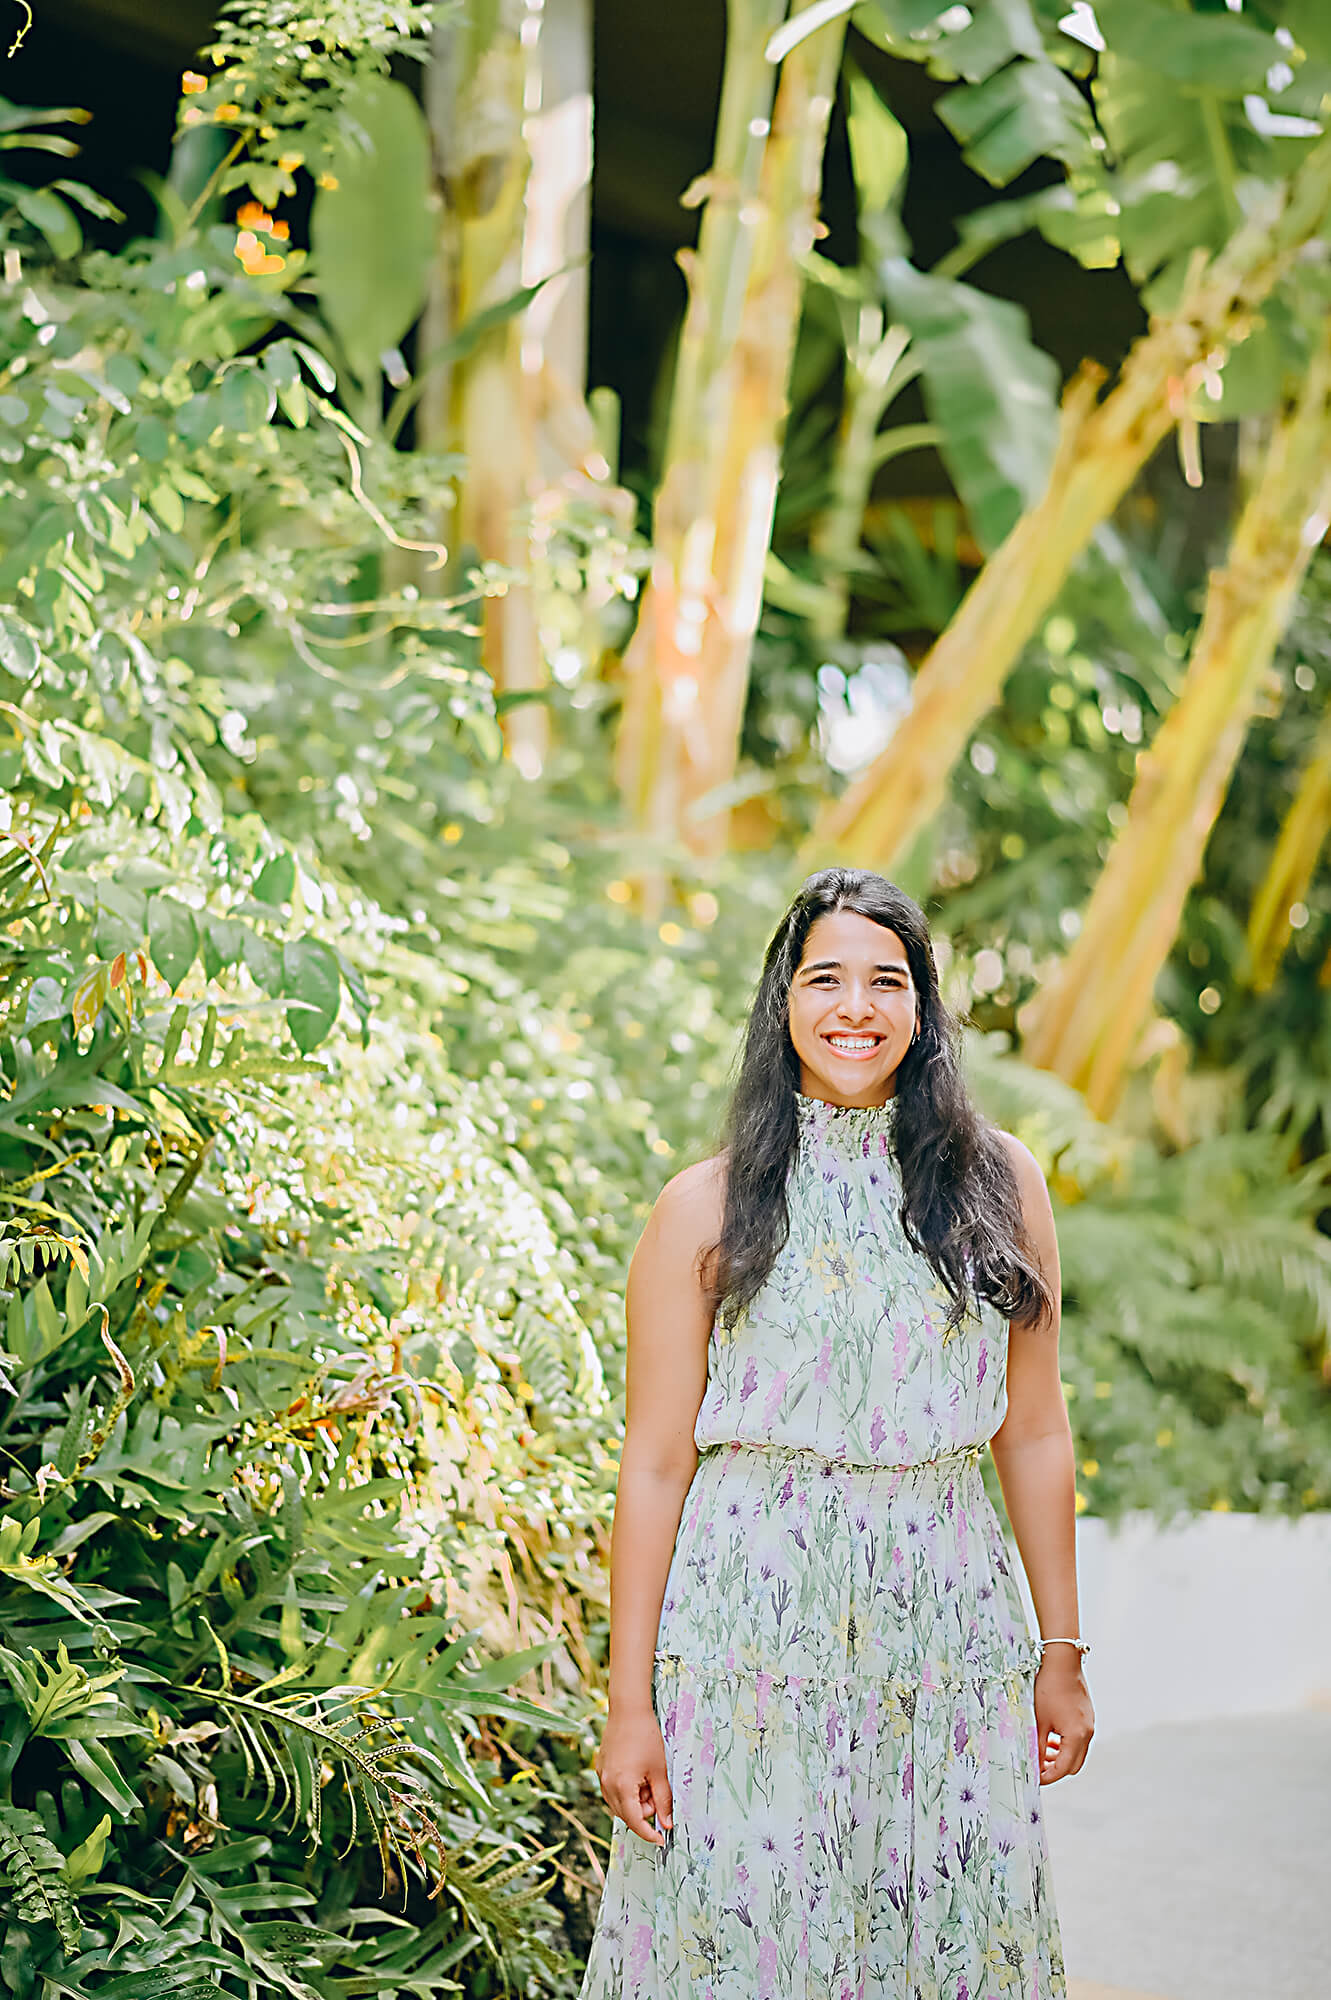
[960, 1205]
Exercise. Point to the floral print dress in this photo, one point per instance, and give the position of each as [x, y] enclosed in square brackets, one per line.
[844, 1670]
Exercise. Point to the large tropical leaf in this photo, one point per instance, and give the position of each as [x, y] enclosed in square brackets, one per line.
[372, 228]
[1174, 96]
[991, 392]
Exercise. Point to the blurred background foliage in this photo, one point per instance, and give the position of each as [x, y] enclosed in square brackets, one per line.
[375, 933]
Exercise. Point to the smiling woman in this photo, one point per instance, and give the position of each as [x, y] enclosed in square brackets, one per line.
[829, 1722]
[853, 1011]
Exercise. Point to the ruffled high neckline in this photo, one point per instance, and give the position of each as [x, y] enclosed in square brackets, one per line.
[843, 1121]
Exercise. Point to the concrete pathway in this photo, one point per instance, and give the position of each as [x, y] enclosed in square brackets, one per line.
[1190, 1861]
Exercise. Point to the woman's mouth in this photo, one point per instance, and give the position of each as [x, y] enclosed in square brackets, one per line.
[856, 1048]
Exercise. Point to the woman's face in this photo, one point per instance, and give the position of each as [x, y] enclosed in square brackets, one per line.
[852, 1010]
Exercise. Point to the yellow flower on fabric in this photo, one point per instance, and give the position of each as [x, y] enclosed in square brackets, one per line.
[833, 1265]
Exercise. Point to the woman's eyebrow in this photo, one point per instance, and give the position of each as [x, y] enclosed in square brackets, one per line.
[834, 965]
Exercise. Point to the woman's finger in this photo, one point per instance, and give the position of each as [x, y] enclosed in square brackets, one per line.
[1069, 1754]
[630, 1803]
[658, 1788]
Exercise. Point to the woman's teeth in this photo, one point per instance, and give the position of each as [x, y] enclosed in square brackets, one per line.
[853, 1045]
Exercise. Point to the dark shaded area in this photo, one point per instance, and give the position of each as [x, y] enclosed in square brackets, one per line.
[121, 60]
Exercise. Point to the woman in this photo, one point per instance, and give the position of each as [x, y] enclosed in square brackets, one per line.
[828, 1720]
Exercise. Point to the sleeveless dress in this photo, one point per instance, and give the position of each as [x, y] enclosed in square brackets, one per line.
[844, 1670]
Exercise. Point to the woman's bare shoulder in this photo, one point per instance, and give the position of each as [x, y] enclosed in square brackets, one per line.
[683, 1227]
[694, 1197]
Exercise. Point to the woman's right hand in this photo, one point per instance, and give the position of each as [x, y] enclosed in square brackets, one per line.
[631, 1766]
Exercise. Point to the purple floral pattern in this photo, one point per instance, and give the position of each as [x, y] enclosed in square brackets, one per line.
[843, 1667]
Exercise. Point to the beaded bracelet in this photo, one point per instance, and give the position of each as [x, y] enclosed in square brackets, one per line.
[1083, 1645]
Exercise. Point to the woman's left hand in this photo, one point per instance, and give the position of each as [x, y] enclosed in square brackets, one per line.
[1064, 1717]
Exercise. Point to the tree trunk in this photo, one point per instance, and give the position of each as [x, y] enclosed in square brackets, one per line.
[1085, 1023]
[509, 103]
[1102, 446]
[687, 668]
[1292, 864]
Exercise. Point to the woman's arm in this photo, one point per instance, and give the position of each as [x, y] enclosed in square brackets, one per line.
[669, 1320]
[1036, 1463]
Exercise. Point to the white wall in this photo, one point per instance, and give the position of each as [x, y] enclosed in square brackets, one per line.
[1220, 1614]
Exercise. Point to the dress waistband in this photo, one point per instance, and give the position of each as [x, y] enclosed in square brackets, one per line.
[957, 1457]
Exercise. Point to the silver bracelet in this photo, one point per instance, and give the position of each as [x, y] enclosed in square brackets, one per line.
[1083, 1645]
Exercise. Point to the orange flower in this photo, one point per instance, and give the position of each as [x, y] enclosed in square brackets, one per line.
[191, 83]
[253, 215]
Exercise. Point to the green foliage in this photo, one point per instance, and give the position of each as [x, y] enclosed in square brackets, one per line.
[276, 1271]
[373, 230]
[991, 393]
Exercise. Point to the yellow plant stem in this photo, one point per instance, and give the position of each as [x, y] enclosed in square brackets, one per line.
[1086, 1023]
[1293, 861]
[873, 377]
[1102, 446]
[687, 668]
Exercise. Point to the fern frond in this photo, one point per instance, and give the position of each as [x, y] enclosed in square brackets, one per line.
[287, 1737]
[33, 1867]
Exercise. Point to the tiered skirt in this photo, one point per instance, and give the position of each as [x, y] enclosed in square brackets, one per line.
[843, 1680]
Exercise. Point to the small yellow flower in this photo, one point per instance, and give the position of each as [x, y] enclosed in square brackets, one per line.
[191, 83]
[328, 180]
[253, 215]
[1103, 1389]
[1164, 1438]
[280, 230]
[452, 832]
[834, 1266]
[226, 114]
[1080, 1503]
[288, 162]
[1090, 1466]
[191, 115]
[1220, 1506]
[670, 934]
[619, 892]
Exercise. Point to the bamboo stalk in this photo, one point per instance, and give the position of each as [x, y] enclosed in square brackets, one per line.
[686, 670]
[1293, 862]
[510, 118]
[1102, 446]
[873, 377]
[1085, 1023]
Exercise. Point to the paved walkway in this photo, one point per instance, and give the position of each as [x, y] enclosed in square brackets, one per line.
[1190, 1861]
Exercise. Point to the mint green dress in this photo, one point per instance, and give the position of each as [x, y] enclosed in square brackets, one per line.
[844, 1669]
